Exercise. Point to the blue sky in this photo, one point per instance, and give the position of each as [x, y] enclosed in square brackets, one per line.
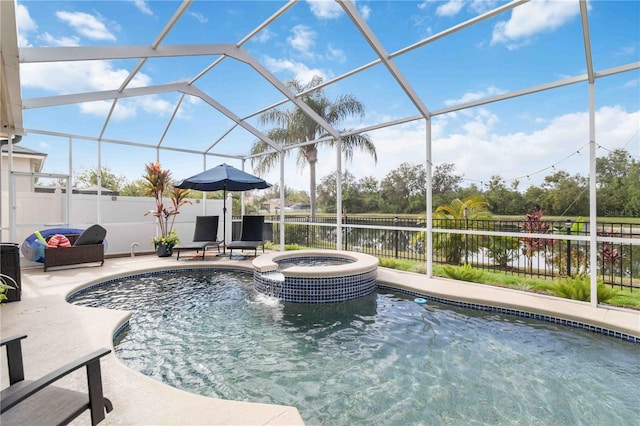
[523, 138]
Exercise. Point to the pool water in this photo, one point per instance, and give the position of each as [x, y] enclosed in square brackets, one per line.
[310, 262]
[381, 359]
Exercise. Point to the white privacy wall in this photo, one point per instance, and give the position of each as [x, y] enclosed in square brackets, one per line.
[123, 217]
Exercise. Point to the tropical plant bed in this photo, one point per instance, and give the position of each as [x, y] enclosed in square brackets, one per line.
[571, 288]
[624, 298]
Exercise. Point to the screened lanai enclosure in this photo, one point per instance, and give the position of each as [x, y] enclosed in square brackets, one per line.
[516, 90]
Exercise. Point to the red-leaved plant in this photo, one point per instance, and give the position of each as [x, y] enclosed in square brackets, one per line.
[534, 225]
[157, 183]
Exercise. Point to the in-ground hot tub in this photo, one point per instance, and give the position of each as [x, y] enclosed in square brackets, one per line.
[315, 276]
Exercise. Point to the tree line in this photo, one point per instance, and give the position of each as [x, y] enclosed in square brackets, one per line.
[403, 191]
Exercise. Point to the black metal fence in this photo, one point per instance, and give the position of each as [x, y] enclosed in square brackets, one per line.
[553, 249]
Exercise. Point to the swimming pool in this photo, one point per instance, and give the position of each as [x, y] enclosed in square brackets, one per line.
[381, 359]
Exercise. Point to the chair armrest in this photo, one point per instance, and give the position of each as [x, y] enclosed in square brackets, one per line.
[10, 339]
[91, 361]
[14, 357]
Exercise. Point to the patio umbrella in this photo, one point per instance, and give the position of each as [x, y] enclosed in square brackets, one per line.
[226, 178]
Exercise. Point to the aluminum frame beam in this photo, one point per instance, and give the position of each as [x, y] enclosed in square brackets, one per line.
[11, 123]
[381, 52]
[34, 55]
[31, 55]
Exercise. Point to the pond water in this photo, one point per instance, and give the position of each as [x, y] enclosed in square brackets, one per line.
[381, 359]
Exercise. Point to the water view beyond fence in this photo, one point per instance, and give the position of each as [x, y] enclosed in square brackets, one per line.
[533, 248]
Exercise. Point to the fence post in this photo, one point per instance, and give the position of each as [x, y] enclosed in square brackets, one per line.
[396, 242]
[568, 224]
[466, 236]
[345, 234]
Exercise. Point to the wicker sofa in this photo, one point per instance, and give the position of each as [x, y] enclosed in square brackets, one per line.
[87, 247]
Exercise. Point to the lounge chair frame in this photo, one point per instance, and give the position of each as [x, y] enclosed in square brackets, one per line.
[29, 402]
[252, 235]
[205, 235]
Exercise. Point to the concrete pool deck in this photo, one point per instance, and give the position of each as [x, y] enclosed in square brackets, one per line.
[60, 332]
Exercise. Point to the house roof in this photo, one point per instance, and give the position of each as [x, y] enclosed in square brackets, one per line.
[18, 149]
[37, 158]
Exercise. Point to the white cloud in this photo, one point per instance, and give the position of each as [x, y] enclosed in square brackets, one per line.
[631, 84]
[264, 35]
[451, 8]
[143, 7]
[478, 149]
[87, 76]
[625, 51]
[533, 18]
[77, 77]
[155, 105]
[199, 17]
[86, 25]
[299, 70]
[128, 108]
[474, 96]
[50, 40]
[480, 125]
[325, 9]
[365, 11]
[336, 54]
[481, 6]
[303, 39]
[25, 25]
[480, 152]
[101, 109]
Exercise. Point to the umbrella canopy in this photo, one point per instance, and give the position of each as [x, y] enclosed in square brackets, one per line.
[223, 177]
[226, 178]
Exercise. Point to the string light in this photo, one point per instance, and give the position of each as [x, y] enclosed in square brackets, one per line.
[553, 166]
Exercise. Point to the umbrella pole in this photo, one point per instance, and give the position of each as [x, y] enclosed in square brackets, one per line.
[224, 221]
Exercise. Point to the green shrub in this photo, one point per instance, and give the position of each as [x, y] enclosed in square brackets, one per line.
[402, 265]
[523, 287]
[463, 273]
[626, 299]
[419, 268]
[579, 288]
[274, 246]
[620, 297]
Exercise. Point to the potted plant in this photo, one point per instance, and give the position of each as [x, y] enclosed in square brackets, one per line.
[157, 183]
[4, 286]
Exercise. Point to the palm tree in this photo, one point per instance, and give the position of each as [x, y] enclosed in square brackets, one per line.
[295, 126]
[456, 216]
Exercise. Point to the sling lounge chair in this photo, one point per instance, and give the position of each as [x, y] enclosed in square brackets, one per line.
[28, 402]
[252, 235]
[205, 235]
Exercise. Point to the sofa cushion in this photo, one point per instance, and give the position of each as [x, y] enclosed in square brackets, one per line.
[92, 235]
